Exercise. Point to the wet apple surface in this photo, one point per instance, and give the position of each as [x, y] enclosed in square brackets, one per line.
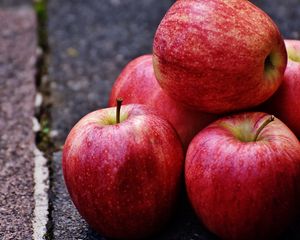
[242, 176]
[218, 56]
[137, 84]
[124, 178]
[286, 101]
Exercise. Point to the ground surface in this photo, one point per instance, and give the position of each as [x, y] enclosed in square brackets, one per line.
[284, 14]
[17, 93]
[14, 3]
[90, 42]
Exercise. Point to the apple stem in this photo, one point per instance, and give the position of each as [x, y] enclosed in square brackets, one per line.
[119, 104]
[265, 123]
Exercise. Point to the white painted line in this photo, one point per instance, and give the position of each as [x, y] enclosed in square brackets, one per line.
[36, 127]
[41, 187]
[38, 100]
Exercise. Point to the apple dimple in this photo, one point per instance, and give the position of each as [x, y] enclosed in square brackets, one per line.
[246, 130]
[268, 64]
[272, 63]
[110, 117]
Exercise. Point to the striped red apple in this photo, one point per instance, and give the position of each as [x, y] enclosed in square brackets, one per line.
[137, 84]
[242, 176]
[218, 55]
[286, 101]
[123, 172]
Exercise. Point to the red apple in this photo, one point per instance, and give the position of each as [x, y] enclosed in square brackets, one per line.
[137, 84]
[243, 176]
[123, 177]
[286, 101]
[218, 55]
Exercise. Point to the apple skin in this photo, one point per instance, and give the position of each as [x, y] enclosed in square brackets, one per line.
[242, 189]
[285, 103]
[123, 178]
[218, 56]
[137, 84]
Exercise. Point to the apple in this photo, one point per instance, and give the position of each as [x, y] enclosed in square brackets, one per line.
[286, 101]
[137, 84]
[242, 175]
[123, 172]
[218, 55]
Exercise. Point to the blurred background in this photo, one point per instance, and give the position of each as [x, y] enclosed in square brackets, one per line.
[80, 48]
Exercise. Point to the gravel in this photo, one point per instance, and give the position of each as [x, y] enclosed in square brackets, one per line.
[17, 93]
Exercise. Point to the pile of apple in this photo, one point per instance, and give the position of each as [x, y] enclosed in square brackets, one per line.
[123, 165]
